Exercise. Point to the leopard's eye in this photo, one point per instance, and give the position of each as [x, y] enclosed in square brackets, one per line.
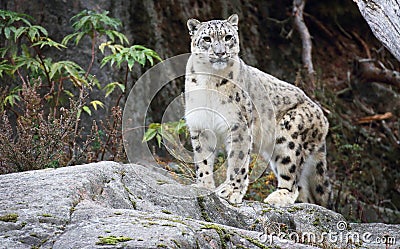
[228, 37]
[207, 39]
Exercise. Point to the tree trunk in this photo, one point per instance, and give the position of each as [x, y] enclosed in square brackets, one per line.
[383, 16]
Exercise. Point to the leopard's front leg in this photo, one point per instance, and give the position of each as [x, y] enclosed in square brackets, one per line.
[238, 147]
[204, 146]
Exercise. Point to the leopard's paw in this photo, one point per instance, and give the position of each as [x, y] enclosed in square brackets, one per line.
[281, 198]
[227, 192]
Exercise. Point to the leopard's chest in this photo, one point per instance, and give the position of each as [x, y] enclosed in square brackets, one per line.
[211, 102]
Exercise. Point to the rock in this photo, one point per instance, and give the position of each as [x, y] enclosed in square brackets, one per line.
[384, 19]
[109, 205]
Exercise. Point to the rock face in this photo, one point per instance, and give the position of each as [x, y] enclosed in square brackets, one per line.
[384, 19]
[109, 205]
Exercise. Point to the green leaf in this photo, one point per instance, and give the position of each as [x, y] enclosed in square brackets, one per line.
[130, 64]
[6, 68]
[55, 68]
[150, 59]
[105, 60]
[96, 103]
[155, 126]
[103, 46]
[121, 86]
[67, 38]
[167, 135]
[87, 110]
[110, 35]
[19, 32]
[11, 99]
[122, 38]
[180, 127]
[33, 33]
[3, 52]
[66, 68]
[7, 32]
[79, 37]
[149, 134]
[41, 29]
[45, 41]
[89, 22]
[68, 93]
[109, 88]
[136, 53]
[158, 137]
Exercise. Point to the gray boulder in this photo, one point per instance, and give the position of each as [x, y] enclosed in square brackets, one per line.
[109, 205]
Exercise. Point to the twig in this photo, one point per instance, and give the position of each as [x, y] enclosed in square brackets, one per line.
[342, 29]
[282, 23]
[363, 43]
[363, 107]
[278, 21]
[39, 54]
[111, 132]
[332, 38]
[93, 55]
[125, 85]
[18, 72]
[58, 98]
[298, 7]
[390, 134]
[343, 91]
[76, 128]
[320, 25]
[369, 119]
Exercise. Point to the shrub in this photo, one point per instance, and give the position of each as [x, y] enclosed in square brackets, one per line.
[42, 108]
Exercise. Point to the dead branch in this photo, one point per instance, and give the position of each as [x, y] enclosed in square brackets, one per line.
[320, 25]
[298, 7]
[395, 141]
[363, 44]
[367, 71]
[376, 117]
[326, 31]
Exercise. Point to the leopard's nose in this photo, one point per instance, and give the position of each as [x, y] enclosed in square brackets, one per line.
[219, 50]
[220, 54]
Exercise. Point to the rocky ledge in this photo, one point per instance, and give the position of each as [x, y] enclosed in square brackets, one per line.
[110, 205]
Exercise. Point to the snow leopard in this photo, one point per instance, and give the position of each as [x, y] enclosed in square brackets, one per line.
[232, 106]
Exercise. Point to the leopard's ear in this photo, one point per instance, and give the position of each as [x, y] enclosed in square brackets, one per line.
[193, 25]
[234, 20]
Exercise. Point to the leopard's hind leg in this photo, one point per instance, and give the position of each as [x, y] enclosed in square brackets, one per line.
[314, 185]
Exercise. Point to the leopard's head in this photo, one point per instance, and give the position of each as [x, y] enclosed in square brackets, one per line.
[216, 40]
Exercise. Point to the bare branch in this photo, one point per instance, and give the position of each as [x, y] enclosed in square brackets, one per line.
[369, 119]
[298, 7]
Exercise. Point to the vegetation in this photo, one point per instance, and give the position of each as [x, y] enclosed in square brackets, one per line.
[42, 111]
[9, 218]
[112, 240]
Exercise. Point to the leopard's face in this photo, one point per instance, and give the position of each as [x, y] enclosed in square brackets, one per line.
[215, 41]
